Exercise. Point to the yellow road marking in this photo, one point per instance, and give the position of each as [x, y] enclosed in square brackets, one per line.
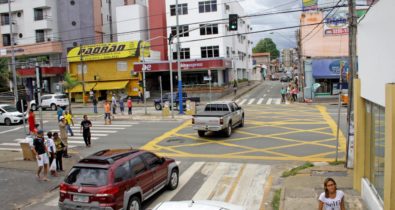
[235, 183]
[332, 124]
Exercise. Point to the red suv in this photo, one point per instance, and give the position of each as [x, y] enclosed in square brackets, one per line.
[116, 179]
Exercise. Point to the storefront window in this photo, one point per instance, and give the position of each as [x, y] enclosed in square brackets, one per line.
[376, 136]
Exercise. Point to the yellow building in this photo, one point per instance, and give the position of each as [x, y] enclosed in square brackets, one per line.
[108, 68]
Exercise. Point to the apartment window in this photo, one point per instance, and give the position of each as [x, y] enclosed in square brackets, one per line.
[183, 30]
[210, 51]
[185, 53]
[6, 40]
[38, 14]
[3, 1]
[208, 29]
[208, 6]
[5, 19]
[182, 9]
[40, 36]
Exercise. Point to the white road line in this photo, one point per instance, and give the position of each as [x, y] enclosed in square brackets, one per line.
[214, 171]
[92, 134]
[80, 137]
[224, 185]
[76, 142]
[103, 127]
[237, 101]
[260, 101]
[53, 202]
[11, 149]
[269, 101]
[242, 102]
[11, 130]
[10, 144]
[251, 101]
[264, 95]
[184, 179]
[92, 131]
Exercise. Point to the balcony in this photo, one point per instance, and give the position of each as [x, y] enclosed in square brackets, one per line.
[42, 24]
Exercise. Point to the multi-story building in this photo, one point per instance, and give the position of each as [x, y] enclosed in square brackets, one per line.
[44, 31]
[262, 63]
[287, 57]
[206, 44]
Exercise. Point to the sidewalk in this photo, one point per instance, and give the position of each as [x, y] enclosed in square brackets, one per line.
[302, 190]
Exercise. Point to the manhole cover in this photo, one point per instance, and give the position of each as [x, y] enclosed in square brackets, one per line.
[328, 173]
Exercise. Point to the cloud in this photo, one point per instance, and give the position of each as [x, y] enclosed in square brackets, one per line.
[282, 38]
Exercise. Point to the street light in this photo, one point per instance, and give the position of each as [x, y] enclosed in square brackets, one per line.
[171, 74]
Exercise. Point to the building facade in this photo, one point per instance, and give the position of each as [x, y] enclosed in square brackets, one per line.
[261, 63]
[374, 111]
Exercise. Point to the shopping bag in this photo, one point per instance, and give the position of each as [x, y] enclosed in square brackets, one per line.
[53, 166]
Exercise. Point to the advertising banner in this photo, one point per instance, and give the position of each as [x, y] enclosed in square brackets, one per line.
[310, 4]
[336, 23]
[107, 51]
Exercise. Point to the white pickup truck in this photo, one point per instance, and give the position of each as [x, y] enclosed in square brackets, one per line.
[219, 117]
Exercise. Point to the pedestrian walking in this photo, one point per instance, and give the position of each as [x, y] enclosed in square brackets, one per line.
[130, 105]
[59, 112]
[114, 104]
[40, 151]
[294, 94]
[49, 143]
[32, 122]
[107, 113]
[141, 97]
[331, 198]
[289, 92]
[69, 122]
[60, 147]
[63, 136]
[94, 102]
[86, 130]
[283, 92]
[121, 106]
[234, 87]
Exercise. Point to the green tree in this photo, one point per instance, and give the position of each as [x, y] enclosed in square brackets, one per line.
[4, 73]
[267, 45]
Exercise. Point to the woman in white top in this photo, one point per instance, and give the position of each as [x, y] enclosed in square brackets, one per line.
[331, 199]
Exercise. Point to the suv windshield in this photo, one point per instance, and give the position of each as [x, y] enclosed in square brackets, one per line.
[9, 109]
[61, 97]
[87, 177]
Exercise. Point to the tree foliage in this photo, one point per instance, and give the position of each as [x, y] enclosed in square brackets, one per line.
[267, 45]
[69, 82]
[4, 73]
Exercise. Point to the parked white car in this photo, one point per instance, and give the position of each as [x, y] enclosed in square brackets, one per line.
[10, 115]
[196, 205]
[51, 101]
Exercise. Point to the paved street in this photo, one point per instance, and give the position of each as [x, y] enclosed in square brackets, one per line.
[275, 138]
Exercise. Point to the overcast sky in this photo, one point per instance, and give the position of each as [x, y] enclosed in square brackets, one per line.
[282, 38]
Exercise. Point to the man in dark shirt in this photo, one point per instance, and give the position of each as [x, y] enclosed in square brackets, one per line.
[41, 152]
[86, 131]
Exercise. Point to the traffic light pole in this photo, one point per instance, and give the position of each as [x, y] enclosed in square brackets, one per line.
[38, 85]
[15, 85]
[180, 98]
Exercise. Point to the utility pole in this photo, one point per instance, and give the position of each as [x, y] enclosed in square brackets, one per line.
[300, 63]
[12, 54]
[82, 74]
[352, 25]
[171, 75]
[110, 17]
[180, 98]
[39, 89]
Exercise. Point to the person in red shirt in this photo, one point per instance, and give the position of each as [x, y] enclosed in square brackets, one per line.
[32, 122]
[130, 105]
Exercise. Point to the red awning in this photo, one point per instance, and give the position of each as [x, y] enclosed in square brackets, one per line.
[186, 65]
[47, 71]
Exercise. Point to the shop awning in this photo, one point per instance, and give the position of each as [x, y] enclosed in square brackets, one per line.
[78, 88]
[115, 85]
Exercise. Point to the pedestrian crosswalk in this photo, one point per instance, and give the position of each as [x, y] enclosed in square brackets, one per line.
[259, 101]
[98, 131]
[238, 183]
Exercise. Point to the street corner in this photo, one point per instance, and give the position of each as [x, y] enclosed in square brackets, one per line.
[298, 133]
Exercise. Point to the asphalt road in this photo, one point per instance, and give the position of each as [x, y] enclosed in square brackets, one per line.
[240, 169]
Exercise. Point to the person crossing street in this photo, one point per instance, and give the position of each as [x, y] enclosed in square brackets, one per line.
[86, 130]
[107, 113]
[69, 122]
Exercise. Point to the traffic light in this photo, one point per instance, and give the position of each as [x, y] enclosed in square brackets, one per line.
[233, 19]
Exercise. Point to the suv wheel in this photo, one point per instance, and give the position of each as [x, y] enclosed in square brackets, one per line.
[134, 203]
[242, 122]
[53, 107]
[228, 130]
[173, 182]
[158, 106]
[7, 122]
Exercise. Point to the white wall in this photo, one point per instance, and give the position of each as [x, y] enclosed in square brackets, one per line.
[130, 18]
[194, 16]
[376, 51]
[26, 25]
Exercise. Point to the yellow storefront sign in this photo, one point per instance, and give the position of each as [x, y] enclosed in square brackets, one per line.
[107, 51]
